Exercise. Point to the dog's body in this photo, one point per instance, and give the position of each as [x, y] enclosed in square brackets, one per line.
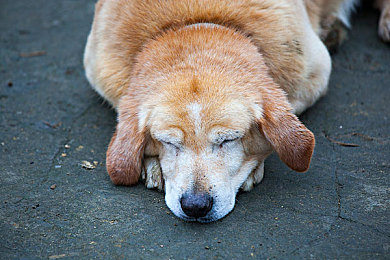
[272, 26]
[206, 89]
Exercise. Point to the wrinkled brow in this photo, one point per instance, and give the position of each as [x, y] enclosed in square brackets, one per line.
[172, 135]
[219, 135]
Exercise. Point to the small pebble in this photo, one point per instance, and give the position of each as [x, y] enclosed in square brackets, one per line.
[57, 256]
[87, 165]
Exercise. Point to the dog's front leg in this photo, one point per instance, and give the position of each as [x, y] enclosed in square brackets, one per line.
[152, 174]
[254, 178]
[384, 21]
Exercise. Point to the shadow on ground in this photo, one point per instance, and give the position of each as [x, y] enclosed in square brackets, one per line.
[51, 120]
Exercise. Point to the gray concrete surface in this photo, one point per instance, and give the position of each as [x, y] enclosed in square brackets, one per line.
[339, 209]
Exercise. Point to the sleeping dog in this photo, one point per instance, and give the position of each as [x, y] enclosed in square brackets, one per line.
[206, 90]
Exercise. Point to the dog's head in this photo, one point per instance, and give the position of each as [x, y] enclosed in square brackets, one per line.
[210, 130]
[208, 144]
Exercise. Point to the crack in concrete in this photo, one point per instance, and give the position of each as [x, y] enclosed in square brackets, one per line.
[82, 114]
[338, 216]
[66, 140]
[308, 244]
[309, 213]
[338, 186]
[53, 160]
[320, 238]
[365, 225]
[364, 72]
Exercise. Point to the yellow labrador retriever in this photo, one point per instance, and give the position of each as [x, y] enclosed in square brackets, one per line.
[205, 91]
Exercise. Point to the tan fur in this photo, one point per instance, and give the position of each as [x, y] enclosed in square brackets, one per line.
[323, 17]
[110, 74]
[384, 21]
[322, 14]
[185, 76]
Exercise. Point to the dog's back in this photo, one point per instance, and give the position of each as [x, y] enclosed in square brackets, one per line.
[127, 25]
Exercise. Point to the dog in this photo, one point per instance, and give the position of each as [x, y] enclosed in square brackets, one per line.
[206, 90]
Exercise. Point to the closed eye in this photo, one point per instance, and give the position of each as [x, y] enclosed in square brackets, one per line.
[172, 145]
[227, 141]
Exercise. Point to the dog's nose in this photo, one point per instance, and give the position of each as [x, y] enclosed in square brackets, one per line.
[196, 205]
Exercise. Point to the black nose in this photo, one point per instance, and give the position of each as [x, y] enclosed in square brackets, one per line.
[196, 205]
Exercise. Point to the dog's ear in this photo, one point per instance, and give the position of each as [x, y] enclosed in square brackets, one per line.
[293, 142]
[126, 149]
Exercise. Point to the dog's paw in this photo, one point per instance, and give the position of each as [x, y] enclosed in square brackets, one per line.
[152, 174]
[254, 178]
[384, 24]
[335, 36]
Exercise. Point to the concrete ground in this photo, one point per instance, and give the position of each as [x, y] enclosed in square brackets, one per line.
[51, 120]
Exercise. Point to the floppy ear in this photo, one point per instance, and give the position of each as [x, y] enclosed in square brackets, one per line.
[126, 149]
[293, 142]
